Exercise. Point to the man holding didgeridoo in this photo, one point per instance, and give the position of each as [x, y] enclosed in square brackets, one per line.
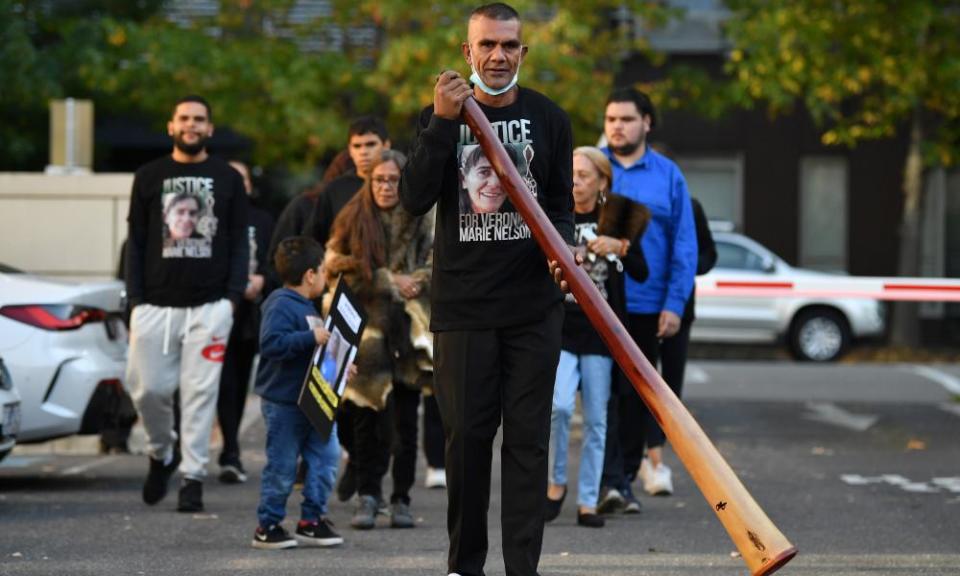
[497, 314]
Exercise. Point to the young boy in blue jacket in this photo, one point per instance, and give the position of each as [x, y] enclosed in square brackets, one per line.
[289, 333]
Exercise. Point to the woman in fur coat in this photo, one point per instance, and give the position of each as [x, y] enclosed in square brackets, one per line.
[608, 228]
[385, 255]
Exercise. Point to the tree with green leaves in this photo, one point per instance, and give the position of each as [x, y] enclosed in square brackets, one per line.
[132, 58]
[248, 60]
[291, 84]
[576, 49]
[863, 69]
[41, 47]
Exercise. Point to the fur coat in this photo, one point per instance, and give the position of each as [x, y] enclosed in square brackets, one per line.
[621, 217]
[387, 352]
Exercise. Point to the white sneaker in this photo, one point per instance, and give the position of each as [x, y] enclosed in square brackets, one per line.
[644, 470]
[658, 480]
[436, 478]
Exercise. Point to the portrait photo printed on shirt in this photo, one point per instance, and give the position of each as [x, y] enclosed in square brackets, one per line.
[597, 268]
[486, 213]
[188, 221]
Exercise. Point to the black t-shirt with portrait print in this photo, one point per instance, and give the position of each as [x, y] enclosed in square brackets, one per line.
[579, 336]
[488, 270]
[188, 242]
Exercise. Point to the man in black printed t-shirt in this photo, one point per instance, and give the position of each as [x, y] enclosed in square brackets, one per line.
[496, 311]
[186, 271]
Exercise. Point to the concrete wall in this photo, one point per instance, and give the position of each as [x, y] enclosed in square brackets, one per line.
[68, 227]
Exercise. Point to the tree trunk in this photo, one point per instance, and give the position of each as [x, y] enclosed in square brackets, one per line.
[905, 330]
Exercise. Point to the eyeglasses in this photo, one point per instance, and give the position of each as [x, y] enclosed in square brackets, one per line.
[392, 181]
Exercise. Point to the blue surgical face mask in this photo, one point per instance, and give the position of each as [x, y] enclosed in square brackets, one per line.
[478, 82]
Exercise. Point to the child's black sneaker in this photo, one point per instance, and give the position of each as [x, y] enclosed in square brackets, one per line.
[273, 538]
[317, 533]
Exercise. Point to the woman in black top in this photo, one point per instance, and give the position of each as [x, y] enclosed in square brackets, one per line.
[605, 226]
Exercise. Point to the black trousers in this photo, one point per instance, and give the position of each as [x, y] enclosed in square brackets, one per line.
[370, 453]
[633, 413]
[432, 432]
[380, 434]
[481, 378]
[345, 425]
[613, 476]
[234, 380]
[673, 364]
[404, 403]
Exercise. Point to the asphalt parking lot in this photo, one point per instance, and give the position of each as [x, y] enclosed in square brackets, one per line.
[859, 466]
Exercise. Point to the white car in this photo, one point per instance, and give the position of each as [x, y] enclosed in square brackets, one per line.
[60, 342]
[815, 329]
[9, 412]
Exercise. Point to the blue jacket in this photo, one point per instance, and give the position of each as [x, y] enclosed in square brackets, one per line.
[286, 346]
[670, 241]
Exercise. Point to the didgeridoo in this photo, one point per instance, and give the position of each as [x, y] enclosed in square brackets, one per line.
[762, 546]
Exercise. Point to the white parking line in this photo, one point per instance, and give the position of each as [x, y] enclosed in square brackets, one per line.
[951, 408]
[951, 484]
[81, 468]
[949, 382]
[934, 486]
[17, 461]
[830, 413]
[696, 375]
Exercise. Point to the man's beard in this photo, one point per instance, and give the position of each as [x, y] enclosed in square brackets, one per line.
[627, 149]
[190, 149]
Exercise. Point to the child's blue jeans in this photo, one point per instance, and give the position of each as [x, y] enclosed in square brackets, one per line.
[289, 435]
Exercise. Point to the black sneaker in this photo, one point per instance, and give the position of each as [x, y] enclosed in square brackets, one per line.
[233, 473]
[272, 538]
[365, 516]
[191, 496]
[347, 486]
[632, 505]
[400, 516]
[611, 501]
[158, 479]
[317, 533]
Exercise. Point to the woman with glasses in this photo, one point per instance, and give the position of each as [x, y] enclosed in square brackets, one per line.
[385, 255]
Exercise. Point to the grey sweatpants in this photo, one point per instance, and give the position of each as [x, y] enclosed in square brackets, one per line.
[178, 347]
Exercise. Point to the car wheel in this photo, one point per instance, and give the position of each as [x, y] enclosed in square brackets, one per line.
[819, 335]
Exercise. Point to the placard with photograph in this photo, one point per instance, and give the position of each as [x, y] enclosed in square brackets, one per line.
[326, 378]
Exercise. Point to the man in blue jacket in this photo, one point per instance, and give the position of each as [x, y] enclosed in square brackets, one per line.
[655, 306]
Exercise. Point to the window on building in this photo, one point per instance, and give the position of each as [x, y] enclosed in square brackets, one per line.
[718, 184]
[933, 234]
[952, 234]
[823, 213]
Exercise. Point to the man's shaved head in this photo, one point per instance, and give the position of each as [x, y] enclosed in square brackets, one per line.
[495, 11]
